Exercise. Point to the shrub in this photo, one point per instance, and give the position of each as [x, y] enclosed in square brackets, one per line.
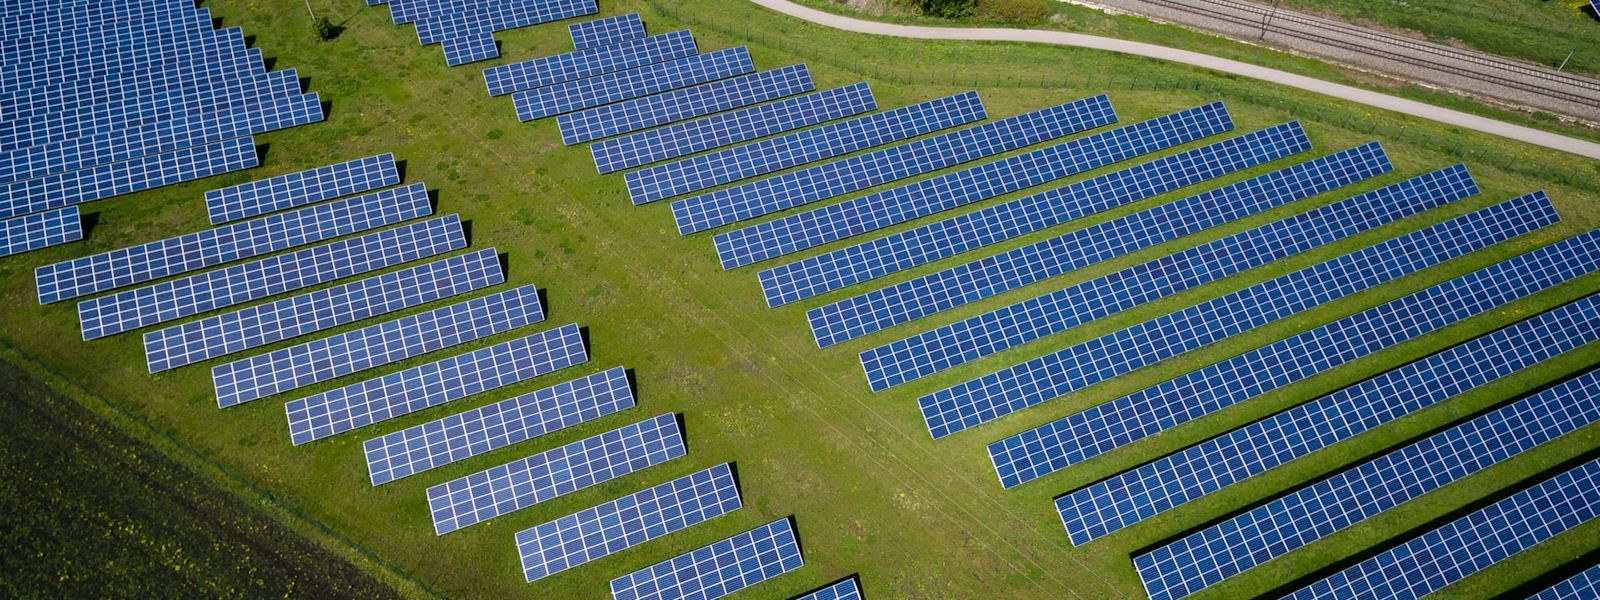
[324, 28]
[1013, 11]
[946, 9]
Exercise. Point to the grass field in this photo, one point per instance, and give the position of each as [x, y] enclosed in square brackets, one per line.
[869, 491]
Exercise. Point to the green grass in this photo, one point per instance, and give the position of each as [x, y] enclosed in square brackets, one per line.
[869, 491]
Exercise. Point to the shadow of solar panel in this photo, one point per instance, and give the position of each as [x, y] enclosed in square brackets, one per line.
[1206, 558]
[1062, 443]
[143, 173]
[467, 434]
[615, 526]
[519, 484]
[305, 314]
[39, 230]
[1584, 585]
[607, 31]
[716, 570]
[686, 103]
[404, 392]
[221, 288]
[301, 188]
[844, 590]
[625, 85]
[561, 68]
[473, 17]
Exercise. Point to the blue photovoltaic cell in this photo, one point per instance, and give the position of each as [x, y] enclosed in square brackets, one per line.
[716, 570]
[470, 48]
[891, 164]
[686, 103]
[1064, 442]
[922, 198]
[795, 149]
[610, 30]
[628, 521]
[299, 189]
[464, 435]
[338, 355]
[126, 177]
[1207, 557]
[154, 260]
[734, 127]
[1049, 314]
[519, 484]
[1585, 585]
[382, 398]
[915, 247]
[29, 33]
[38, 230]
[1469, 544]
[844, 590]
[560, 68]
[221, 288]
[264, 324]
[633, 83]
[121, 89]
[454, 19]
[46, 70]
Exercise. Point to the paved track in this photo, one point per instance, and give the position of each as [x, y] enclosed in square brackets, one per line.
[1061, 38]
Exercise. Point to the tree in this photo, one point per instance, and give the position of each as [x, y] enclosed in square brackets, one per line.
[325, 29]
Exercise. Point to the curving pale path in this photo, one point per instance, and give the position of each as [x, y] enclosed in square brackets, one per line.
[1077, 40]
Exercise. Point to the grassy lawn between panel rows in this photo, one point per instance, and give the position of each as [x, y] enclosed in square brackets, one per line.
[869, 491]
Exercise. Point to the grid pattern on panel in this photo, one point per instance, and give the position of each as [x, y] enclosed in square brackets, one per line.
[470, 48]
[404, 392]
[522, 483]
[221, 288]
[686, 103]
[794, 149]
[610, 30]
[467, 434]
[126, 177]
[1029, 383]
[922, 198]
[1041, 316]
[338, 355]
[39, 230]
[844, 590]
[628, 521]
[59, 102]
[1470, 544]
[716, 570]
[869, 260]
[1207, 557]
[182, 254]
[1585, 585]
[734, 127]
[299, 189]
[895, 163]
[633, 83]
[34, 32]
[561, 68]
[168, 58]
[456, 19]
[1106, 427]
[263, 324]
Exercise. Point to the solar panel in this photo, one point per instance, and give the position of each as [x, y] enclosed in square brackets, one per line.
[1064, 442]
[301, 188]
[194, 251]
[795, 149]
[550, 70]
[921, 198]
[90, 81]
[143, 173]
[844, 590]
[1207, 557]
[467, 434]
[869, 260]
[686, 103]
[1472, 543]
[689, 137]
[470, 48]
[610, 30]
[625, 85]
[60, 17]
[53, 45]
[894, 163]
[468, 17]
[263, 324]
[522, 483]
[716, 570]
[1584, 585]
[404, 392]
[19, 36]
[615, 526]
[38, 230]
[237, 284]
[1048, 314]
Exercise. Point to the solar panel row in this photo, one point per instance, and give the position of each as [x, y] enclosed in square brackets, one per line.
[1586, 584]
[143, 173]
[685, 103]
[559, 68]
[1064, 442]
[951, 190]
[470, 48]
[633, 83]
[467, 434]
[844, 590]
[62, 63]
[455, 19]
[64, 91]
[602, 32]
[39, 230]
[716, 570]
[301, 188]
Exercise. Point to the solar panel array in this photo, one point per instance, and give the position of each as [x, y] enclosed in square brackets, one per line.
[922, 198]
[607, 31]
[299, 189]
[465, 29]
[1472, 543]
[126, 177]
[716, 570]
[844, 590]
[467, 434]
[1586, 584]
[1026, 384]
[634, 519]
[519, 484]
[1059, 444]
[633, 83]
[686, 103]
[40, 230]
[560, 68]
